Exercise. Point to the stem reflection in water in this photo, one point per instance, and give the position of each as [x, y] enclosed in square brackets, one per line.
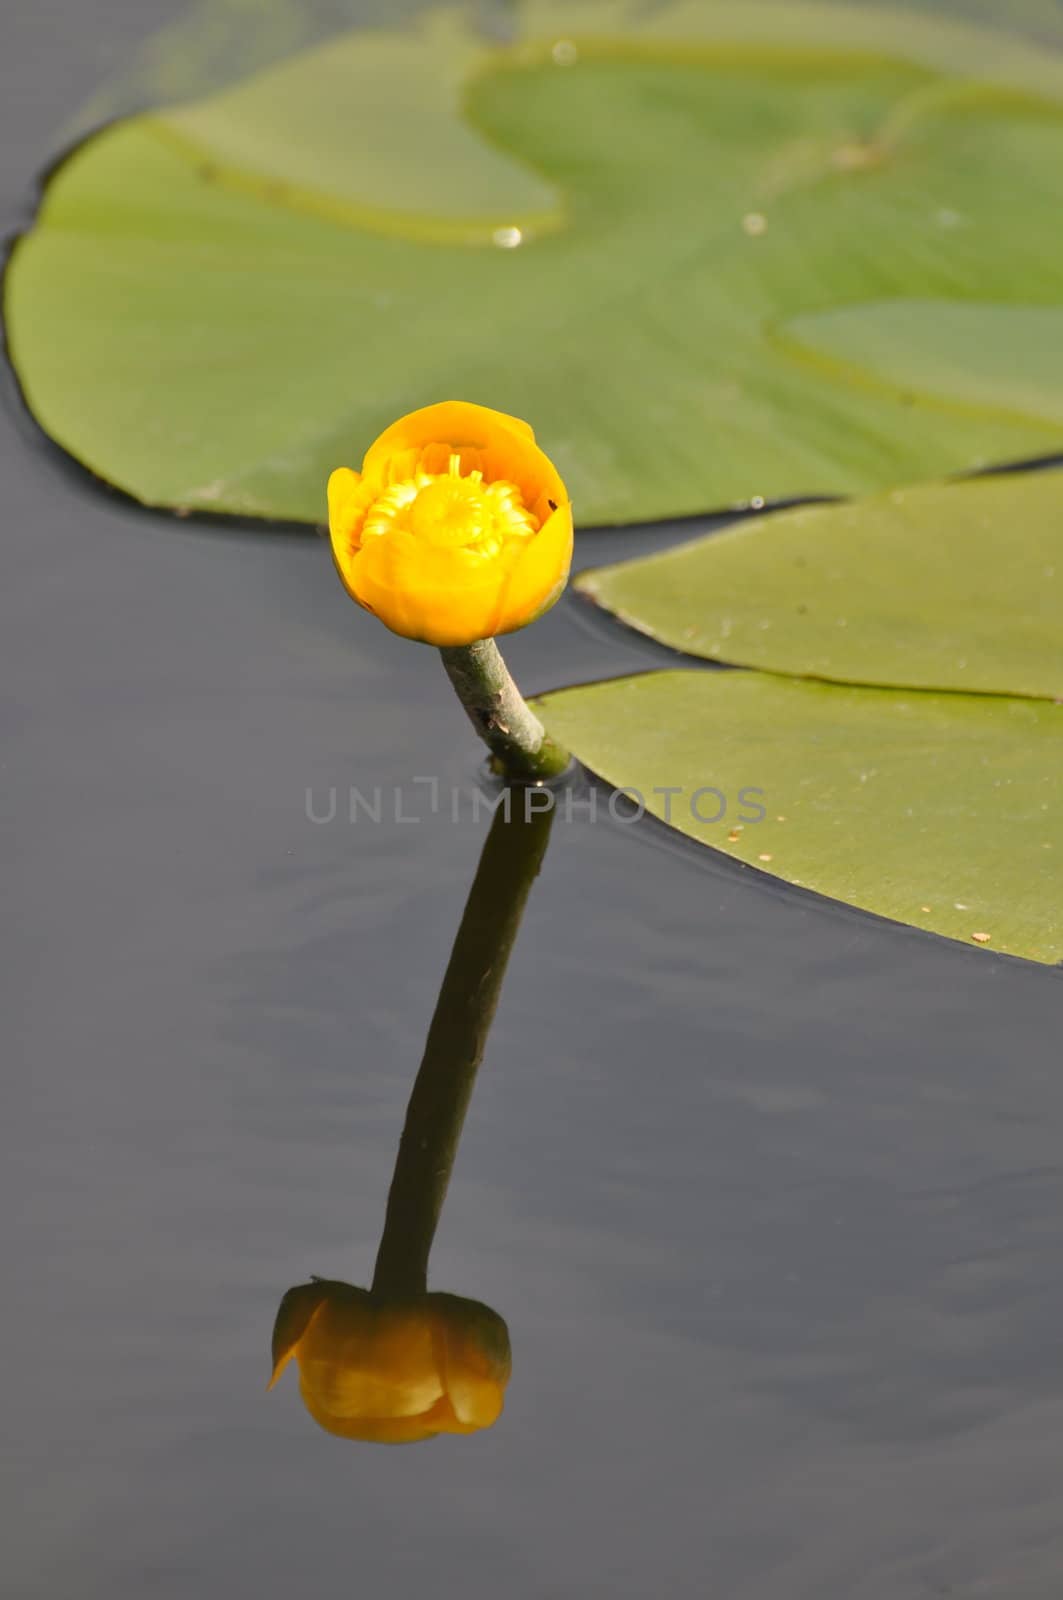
[395, 1363]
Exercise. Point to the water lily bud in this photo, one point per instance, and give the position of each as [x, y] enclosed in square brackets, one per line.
[392, 1370]
[457, 528]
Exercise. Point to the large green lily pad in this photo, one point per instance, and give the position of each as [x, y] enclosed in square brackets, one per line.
[700, 246]
[942, 811]
[944, 587]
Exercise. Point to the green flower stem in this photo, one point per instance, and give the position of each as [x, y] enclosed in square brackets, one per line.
[512, 855]
[521, 746]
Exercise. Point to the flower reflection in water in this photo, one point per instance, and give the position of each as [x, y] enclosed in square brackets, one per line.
[396, 1363]
[392, 1370]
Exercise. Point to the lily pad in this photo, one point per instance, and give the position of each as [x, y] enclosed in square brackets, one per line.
[944, 587]
[961, 353]
[670, 236]
[941, 811]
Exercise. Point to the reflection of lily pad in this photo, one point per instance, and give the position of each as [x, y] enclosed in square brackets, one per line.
[222, 301]
[944, 811]
[957, 587]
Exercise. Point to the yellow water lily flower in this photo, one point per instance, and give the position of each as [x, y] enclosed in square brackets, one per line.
[392, 1371]
[456, 529]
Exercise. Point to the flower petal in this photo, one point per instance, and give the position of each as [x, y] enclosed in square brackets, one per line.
[505, 447]
[437, 595]
[539, 575]
[294, 1315]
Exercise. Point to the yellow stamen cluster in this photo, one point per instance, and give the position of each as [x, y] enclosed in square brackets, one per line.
[452, 512]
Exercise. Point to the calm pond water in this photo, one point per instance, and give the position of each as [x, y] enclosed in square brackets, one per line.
[772, 1206]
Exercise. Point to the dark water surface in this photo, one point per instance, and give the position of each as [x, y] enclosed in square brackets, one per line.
[775, 1214]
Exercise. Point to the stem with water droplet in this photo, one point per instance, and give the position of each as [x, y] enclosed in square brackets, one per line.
[523, 751]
